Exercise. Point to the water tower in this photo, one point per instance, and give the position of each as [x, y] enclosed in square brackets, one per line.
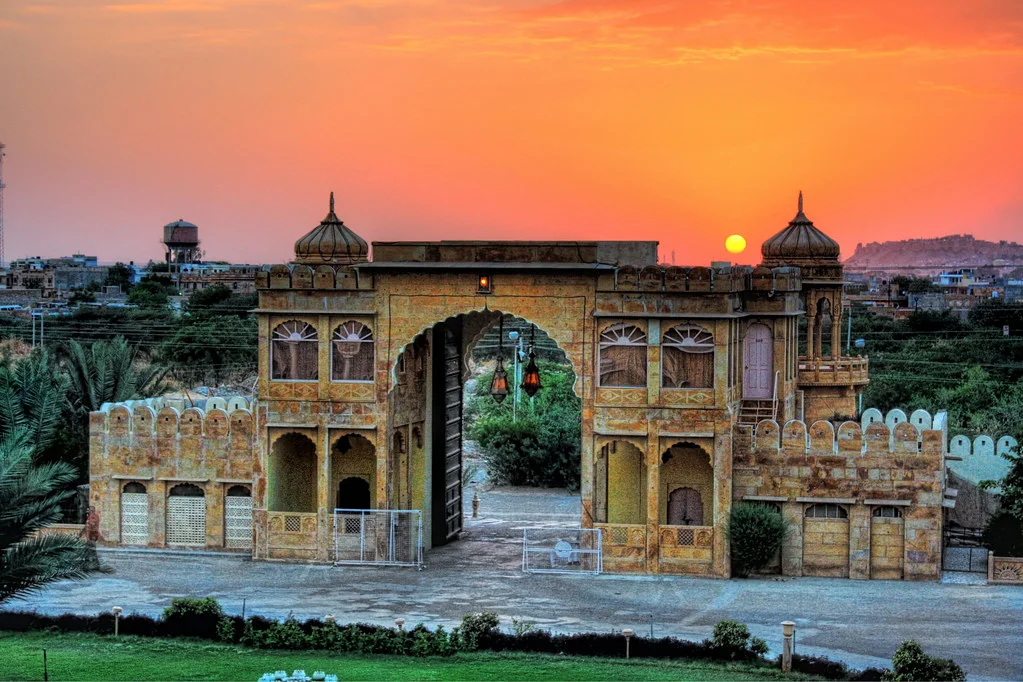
[181, 239]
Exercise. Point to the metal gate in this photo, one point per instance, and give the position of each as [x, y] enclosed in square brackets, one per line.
[382, 537]
[971, 559]
[452, 433]
[562, 550]
[186, 521]
[134, 519]
[238, 522]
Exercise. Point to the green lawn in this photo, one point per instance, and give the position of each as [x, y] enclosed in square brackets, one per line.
[94, 657]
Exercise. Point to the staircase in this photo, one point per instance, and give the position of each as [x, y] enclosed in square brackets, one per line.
[753, 411]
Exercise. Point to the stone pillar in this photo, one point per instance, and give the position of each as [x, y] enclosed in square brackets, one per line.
[653, 502]
[811, 320]
[792, 546]
[653, 362]
[836, 330]
[158, 513]
[859, 542]
[323, 506]
[214, 515]
[721, 564]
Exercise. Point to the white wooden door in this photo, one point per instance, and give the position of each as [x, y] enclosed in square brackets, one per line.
[186, 521]
[238, 522]
[758, 363]
[134, 519]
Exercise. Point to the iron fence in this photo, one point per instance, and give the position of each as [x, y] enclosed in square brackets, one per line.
[380, 537]
[562, 550]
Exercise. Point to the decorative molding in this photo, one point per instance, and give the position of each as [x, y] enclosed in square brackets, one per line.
[889, 503]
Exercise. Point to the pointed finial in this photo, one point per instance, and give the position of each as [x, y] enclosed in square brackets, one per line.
[800, 201]
[332, 201]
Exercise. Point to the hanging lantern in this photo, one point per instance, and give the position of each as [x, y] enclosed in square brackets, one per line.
[531, 375]
[499, 385]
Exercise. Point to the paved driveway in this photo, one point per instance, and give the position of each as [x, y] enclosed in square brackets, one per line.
[860, 622]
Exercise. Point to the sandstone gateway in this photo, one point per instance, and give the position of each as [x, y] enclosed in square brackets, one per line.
[697, 393]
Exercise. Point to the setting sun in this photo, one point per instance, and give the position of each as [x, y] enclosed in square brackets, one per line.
[736, 243]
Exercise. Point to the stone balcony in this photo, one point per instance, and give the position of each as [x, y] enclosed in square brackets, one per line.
[833, 372]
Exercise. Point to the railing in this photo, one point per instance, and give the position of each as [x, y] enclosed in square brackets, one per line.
[687, 536]
[833, 371]
[382, 537]
[622, 534]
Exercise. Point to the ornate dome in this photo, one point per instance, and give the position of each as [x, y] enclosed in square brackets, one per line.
[800, 242]
[331, 242]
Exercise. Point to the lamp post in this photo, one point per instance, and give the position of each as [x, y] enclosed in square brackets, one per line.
[117, 618]
[400, 622]
[514, 336]
[788, 631]
[628, 635]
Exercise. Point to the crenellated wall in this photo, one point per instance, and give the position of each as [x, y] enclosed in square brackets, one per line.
[853, 470]
[157, 446]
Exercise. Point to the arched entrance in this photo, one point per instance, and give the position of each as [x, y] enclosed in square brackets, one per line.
[441, 388]
[353, 463]
[134, 514]
[238, 517]
[292, 475]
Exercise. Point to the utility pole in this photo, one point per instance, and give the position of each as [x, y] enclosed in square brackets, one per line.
[2, 185]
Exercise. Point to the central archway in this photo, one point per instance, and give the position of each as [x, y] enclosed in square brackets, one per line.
[441, 391]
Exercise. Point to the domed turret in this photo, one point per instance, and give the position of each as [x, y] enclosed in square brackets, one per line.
[331, 242]
[800, 243]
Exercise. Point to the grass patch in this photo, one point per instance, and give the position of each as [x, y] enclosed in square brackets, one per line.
[97, 657]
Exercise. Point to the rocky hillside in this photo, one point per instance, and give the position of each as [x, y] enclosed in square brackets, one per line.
[955, 251]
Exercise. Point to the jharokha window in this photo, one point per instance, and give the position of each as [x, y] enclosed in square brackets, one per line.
[293, 352]
[687, 357]
[351, 354]
[623, 356]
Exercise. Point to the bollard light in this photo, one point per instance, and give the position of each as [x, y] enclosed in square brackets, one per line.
[400, 622]
[475, 504]
[628, 635]
[788, 630]
[329, 618]
[117, 610]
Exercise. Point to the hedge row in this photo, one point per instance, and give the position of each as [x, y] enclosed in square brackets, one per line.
[204, 619]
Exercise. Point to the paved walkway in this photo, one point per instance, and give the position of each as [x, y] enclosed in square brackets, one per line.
[860, 622]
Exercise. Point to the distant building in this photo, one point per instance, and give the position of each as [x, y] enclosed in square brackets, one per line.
[54, 277]
[239, 278]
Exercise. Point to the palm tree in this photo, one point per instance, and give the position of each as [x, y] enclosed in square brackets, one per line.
[109, 372]
[32, 397]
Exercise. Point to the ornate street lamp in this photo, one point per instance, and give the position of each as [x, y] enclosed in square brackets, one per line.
[531, 377]
[499, 385]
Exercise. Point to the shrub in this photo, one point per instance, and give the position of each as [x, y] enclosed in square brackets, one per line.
[755, 533]
[911, 663]
[477, 627]
[1003, 535]
[732, 640]
[820, 666]
[287, 635]
[187, 617]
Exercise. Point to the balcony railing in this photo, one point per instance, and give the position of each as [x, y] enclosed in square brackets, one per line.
[831, 371]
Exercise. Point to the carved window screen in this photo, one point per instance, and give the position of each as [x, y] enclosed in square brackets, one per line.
[351, 354]
[623, 356]
[294, 352]
[687, 357]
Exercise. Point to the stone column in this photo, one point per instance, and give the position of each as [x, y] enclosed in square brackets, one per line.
[792, 546]
[214, 515]
[836, 329]
[859, 541]
[811, 320]
[721, 564]
[653, 468]
[323, 506]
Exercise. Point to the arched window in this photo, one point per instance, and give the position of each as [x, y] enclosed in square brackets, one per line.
[293, 352]
[687, 357]
[136, 488]
[887, 511]
[826, 511]
[351, 355]
[623, 356]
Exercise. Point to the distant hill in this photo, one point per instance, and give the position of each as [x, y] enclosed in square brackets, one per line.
[954, 251]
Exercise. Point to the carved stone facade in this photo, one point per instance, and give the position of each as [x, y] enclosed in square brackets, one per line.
[361, 365]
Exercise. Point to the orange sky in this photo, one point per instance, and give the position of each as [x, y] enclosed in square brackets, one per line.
[507, 119]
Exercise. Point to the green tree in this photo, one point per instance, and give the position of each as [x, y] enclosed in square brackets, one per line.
[109, 372]
[211, 349]
[218, 299]
[120, 275]
[755, 533]
[153, 291]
